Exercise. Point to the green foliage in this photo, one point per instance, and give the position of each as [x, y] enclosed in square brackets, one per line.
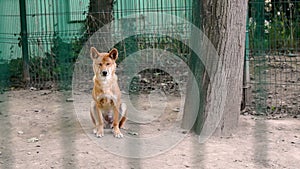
[16, 69]
[279, 26]
[60, 62]
[56, 66]
[133, 44]
[4, 76]
[127, 47]
[281, 33]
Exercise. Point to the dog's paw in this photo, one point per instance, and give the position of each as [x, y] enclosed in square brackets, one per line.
[124, 128]
[99, 135]
[98, 132]
[117, 133]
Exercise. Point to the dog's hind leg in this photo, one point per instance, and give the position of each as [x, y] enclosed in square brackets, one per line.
[123, 114]
[93, 113]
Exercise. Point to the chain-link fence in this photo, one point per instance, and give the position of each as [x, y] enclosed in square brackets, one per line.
[273, 56]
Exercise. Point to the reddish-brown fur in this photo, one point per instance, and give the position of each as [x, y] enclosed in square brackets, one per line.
[106, 92]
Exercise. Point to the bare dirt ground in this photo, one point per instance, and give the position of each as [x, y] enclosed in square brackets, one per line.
[40, 129]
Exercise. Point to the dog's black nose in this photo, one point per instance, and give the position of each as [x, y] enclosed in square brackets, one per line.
[104, 73]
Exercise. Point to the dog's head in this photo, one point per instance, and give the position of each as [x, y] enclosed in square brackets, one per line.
[104, 64]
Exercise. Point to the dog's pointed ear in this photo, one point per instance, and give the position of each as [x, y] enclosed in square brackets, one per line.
[113, 54]
[94, 53]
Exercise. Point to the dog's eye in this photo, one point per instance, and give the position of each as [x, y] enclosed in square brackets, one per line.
[107, 64]
[100, 64]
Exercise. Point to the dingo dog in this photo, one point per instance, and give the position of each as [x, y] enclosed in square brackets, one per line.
[106, 105]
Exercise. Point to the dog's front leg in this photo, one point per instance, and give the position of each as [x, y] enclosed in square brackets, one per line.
[99, 131]
[97, 119]
[116, 129]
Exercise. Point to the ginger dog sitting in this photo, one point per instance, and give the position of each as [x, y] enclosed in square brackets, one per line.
[106, 105]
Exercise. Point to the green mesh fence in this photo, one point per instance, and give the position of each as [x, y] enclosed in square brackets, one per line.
[273, 56]
[57, 30]
[54, 32]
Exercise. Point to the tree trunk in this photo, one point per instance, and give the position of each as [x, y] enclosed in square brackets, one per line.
[224, 23]
[100, 14]
[198, 71]
[98, 25]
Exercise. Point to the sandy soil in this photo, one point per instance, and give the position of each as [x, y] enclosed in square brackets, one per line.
[40, 129]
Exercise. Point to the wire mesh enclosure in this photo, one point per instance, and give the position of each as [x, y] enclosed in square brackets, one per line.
[53, 33]
[272, 56]
[57, 31]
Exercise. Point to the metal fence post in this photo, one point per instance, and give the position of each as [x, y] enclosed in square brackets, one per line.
[24, 42]
[246, 77]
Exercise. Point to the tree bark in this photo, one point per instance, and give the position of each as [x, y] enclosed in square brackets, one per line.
[224, 23]
[100, 14]
[98, 25]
